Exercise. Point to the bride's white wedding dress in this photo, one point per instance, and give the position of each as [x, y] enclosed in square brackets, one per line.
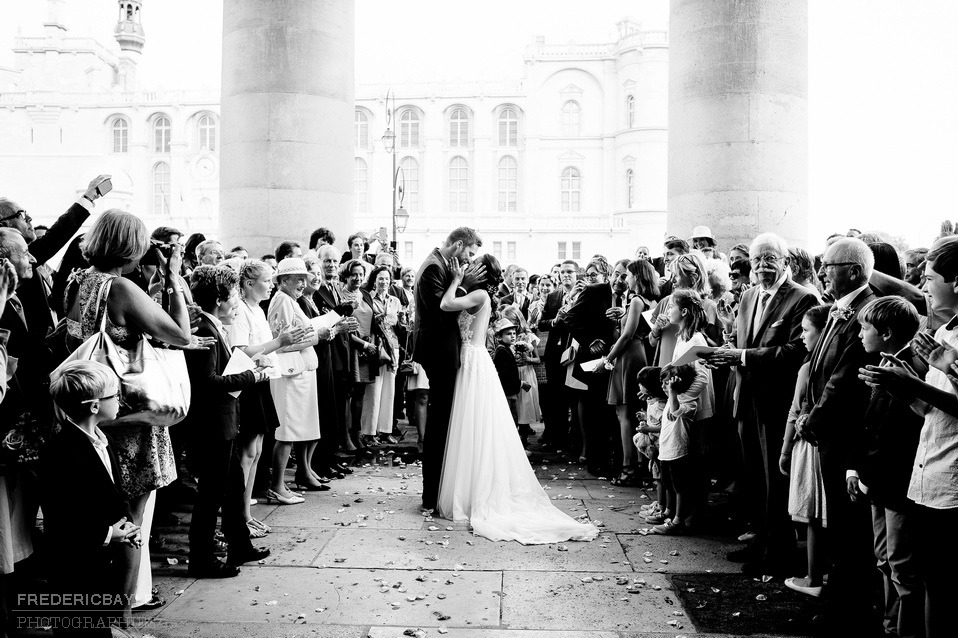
[486, 476]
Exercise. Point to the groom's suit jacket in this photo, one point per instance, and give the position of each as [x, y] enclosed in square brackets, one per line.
[436, 338]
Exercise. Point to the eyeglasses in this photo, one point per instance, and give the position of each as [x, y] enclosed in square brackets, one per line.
[765, 259]
[107, 398]
[592, 275]
[19, 213]
[827, 264]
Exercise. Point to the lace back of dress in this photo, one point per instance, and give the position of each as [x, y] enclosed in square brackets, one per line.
[472, 327]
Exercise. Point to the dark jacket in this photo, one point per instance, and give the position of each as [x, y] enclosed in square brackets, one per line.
[326, 299]
[436, 340]
[508, 370]
[837, 398]
[587, 322]
[774, 353]
[214, 412]
[558, 330]
[510, 299]
[80, 500]
[884, 456]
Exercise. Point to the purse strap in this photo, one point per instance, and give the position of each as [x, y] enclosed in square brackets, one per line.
[104, 296]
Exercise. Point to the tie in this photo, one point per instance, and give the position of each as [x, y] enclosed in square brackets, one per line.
[822, 343]
[760, 312]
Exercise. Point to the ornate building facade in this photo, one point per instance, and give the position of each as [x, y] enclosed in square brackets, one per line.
[567, 162]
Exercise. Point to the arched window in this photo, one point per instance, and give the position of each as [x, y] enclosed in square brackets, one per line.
[409, 129]
[570, 118]
[161, 135]
[161, 189]
[630, 188]
[570, 188]
[410, 179]
[508, 128]
[508, 184]
[458, 185]
[121, 136]
[360, 185]
[207, 130]
[459, 129]
[362, 130]
[630, 110]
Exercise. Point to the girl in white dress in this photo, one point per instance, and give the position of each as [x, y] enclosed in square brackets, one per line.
[486, 476]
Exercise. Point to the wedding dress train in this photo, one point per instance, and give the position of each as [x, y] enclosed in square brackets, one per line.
[486, 476]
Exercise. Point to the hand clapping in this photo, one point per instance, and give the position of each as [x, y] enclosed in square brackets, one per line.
[938, 355]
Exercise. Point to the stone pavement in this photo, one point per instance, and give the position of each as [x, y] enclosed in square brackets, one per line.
[361, 560]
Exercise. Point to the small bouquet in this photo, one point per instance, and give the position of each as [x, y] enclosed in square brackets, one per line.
[22, 443]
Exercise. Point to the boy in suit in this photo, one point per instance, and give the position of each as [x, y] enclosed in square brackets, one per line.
[881, 462]
[214, 423]
[505, 361]
[86, 518]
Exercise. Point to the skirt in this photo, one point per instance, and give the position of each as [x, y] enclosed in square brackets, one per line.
[418, 381]
[528, 402]
[297, 401]
[806, 488]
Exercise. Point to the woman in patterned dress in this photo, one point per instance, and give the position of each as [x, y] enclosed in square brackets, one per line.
[114, 247]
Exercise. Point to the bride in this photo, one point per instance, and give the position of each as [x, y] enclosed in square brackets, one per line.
[486, 476]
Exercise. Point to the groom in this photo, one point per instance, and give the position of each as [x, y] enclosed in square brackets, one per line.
[436, 345]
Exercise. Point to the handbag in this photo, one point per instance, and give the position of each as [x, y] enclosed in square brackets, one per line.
[154, 382]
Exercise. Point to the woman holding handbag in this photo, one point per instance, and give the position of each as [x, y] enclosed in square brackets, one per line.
[377, 416]
[101, 296]
[364, 351]
[295, 392]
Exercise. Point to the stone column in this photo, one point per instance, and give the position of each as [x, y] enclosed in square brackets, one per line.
[287, 121]
[738, 119]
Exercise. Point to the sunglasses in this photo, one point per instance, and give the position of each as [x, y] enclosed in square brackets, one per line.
[19, 213]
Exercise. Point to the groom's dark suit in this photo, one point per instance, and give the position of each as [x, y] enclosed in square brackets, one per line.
[436, 345]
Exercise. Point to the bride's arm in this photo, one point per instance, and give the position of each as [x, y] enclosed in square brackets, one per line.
[451, 303]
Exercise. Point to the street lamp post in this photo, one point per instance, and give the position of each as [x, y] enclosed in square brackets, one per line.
[400, 215]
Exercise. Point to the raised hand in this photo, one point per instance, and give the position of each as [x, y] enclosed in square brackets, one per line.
[938, 355]
[8, 282]
[91, 193]
[292, 335]
[471, 274]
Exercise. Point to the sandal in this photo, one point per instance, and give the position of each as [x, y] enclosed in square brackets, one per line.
[260, 524]
[254, 532]
[626, 479]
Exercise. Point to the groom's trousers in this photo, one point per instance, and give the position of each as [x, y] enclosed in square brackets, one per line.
[442, 382]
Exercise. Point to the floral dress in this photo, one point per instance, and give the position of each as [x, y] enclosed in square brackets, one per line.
[145, 454]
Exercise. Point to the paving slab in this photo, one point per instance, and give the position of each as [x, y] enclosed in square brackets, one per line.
[377, 511]
[182, 629]
[562, 601]
[694, 554]
[485, 632]
[605, 491]
[279, 595]
[293, 546]
[370, 548]
[619, 516]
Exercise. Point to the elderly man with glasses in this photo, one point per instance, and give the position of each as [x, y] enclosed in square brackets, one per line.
[767, 355]
[837, 402]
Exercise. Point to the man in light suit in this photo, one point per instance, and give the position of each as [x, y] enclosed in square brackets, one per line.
[767, 357]
[436, 344]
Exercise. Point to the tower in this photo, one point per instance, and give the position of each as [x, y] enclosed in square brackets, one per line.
[131, 38]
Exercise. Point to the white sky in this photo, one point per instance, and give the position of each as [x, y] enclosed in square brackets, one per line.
[883, 79]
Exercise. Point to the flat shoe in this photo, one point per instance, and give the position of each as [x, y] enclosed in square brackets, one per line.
[284, 500]
[248, 556]
[811, 591]
[215, 569]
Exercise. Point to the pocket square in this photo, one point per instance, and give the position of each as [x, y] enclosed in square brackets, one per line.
[778, 323]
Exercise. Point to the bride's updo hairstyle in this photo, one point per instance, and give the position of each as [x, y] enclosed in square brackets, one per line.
[492, 279]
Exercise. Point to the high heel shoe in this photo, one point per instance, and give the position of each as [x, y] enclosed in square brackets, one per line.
[283, 500]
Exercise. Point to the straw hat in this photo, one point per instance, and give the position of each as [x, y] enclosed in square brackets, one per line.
[503, 324]
[702, 231]
[290, 266]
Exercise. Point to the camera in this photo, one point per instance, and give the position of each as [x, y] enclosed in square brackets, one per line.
[157, 253]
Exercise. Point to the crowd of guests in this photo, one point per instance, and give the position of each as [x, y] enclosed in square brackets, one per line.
[820, 390]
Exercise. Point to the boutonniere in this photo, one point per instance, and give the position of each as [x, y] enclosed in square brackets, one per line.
[842, 314]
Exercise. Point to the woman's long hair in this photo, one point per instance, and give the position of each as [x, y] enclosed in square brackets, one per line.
[695, 318]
